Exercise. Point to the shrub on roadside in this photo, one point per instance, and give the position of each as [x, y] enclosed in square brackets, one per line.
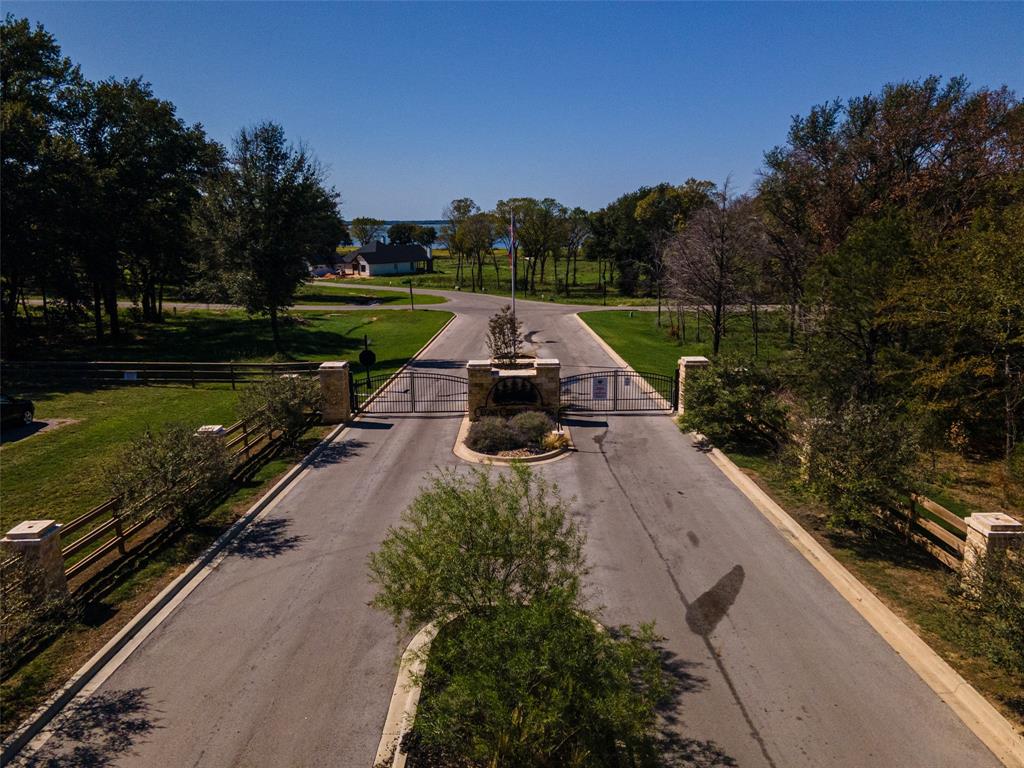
[531, 427]
[859, 460]
[173, 473]
[555, 441]
[281, 403]
[29, 614]
[736, 406]
[504, 336]
[992, 598]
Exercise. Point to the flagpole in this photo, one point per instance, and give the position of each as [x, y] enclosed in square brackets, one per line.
[512, 245]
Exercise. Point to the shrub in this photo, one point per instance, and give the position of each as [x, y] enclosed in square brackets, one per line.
[504, 336]
[555, 441]
[736, 406]
[530, 428]
[992, 597]
[490, 434]
[467, 544]
[29, 614]
[538, 684]
[173, 474]
[860, 460]
[281, 403]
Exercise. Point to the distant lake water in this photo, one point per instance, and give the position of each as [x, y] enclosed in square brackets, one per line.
[435, 224]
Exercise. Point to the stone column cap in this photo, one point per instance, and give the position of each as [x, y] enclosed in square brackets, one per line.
[546, 362]
[211, 429]
[694, 360]
[988, 523]
[32, 529]
[334, 365]
[478, 364]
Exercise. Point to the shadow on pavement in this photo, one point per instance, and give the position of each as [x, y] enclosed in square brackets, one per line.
[266, 538]
[97, 732]
[335, 453]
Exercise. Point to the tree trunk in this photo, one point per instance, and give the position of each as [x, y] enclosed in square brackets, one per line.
[274, 331]
[97, 312]
[110, 303]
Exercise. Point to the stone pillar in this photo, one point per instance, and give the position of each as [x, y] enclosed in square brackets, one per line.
[549, 384]
[989, 533]
[688, 365]
[212, 430]
[336, 405]
[481, 374]
[38, 542]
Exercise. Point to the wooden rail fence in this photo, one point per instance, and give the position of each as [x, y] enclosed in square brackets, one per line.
[933, 527]
[113, 373]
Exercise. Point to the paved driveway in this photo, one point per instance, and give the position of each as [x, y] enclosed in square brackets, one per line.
[276, 659]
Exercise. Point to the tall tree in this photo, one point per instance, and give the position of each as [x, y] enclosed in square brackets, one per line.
[402, 233]
[366, 229]
[708, 259]
[455, 232]
[265, 218]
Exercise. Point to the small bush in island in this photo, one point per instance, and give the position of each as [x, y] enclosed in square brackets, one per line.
[736, 406]
[281, 403]
[494, 434]
[504, 336]
[172, 474]
[520, 674]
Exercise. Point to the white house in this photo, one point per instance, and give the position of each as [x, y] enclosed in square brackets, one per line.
[379, 259]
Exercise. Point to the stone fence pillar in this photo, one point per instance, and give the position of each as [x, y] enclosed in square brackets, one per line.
[549, 383]
[335, 392]
[688, 365]
[543, 373]
[38, 542]
[989, 533]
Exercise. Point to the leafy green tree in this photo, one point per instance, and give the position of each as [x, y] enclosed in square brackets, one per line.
[425, 236]
[456, 232]
[35, 85]
[861, 460]
[402, 233]
[620, 242]
[366, 229]
[265, 219]
[282, 404]
[736, 405]
[172, 474]
[467, 544]
[539, 684]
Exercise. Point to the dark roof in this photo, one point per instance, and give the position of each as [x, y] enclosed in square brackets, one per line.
[382, 253]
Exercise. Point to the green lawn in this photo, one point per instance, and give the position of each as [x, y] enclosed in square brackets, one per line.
[647, 347]
[223, 336]
[326, 292]
[60, 473]
[498, 281]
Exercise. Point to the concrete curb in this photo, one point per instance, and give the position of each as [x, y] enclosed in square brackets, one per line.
[467, 454]
[53, 705]
[604, 344]
[404, 699]
[88, 678]
[983, 719]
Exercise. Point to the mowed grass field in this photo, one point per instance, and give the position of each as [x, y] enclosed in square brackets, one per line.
[498, 281]
[646, 347]
[61, 473]
[328, 292]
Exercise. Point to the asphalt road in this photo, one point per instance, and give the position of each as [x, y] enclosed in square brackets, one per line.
[276, 659]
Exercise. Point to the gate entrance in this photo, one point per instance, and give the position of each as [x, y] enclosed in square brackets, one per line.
[620, 391]
[410, 391]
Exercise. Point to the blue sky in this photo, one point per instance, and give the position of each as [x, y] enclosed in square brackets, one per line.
[413, 104]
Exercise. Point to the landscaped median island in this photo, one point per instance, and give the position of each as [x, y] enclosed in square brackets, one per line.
[520, 672]
[137, 442]
[855, 473]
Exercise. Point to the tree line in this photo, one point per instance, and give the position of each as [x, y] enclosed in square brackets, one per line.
[108, 195]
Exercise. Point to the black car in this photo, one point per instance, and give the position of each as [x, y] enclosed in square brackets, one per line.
[14, 412]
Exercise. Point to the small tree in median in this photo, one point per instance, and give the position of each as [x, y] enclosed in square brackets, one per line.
[467, 544]
[504, 336]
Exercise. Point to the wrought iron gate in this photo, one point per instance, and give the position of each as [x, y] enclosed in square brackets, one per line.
[620, 391]
[410, 391]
